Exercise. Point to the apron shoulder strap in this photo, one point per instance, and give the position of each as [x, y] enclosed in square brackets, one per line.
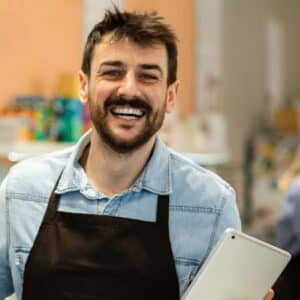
[162, 213]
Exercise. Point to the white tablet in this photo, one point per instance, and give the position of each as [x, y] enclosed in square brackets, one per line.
[240, 267]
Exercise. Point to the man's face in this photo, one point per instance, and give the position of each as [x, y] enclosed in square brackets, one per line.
[127, 92]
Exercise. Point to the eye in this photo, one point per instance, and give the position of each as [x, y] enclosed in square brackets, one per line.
[148, 77]
[112, 74]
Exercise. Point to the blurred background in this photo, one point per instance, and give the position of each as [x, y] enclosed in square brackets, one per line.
[238, 108]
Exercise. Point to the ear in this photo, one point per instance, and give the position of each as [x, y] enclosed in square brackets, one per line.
[172, 96]
[83, 87]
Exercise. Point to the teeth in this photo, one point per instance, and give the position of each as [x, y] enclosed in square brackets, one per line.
[128, 117]
[128, 111]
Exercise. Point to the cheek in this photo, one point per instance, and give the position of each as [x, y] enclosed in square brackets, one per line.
[101, 91]
[156, 97]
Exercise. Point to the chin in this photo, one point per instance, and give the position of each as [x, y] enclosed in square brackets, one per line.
[127, 145]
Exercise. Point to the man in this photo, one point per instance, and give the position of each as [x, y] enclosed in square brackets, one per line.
[118, 216]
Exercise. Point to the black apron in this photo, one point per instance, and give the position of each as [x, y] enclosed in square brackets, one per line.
[287, 285]
[88, 257]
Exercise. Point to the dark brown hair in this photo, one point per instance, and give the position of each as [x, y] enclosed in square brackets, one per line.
[144, 29]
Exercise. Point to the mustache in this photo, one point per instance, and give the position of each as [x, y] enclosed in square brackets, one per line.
[134, 102]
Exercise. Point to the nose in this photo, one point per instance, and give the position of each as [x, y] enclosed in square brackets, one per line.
[129, 86]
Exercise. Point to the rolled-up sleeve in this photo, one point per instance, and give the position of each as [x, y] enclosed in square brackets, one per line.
[229, 216]
[6, 286]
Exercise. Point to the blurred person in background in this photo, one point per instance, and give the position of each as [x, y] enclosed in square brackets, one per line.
[288, 232]
[119, 215]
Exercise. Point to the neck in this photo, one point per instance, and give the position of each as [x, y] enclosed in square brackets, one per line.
[111, 172]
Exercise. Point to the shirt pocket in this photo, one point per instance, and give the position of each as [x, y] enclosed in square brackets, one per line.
[186, 269]
[21, 256]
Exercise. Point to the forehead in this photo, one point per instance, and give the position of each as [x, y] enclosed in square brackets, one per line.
[129, 52]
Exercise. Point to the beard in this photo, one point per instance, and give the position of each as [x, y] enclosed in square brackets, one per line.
[151, 124]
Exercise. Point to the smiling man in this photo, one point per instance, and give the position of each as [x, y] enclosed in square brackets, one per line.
[128, 92]
[119, 215]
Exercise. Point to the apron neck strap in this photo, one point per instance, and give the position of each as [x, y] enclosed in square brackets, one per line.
[162, 213]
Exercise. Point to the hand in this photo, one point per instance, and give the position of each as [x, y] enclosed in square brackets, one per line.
[269, 295]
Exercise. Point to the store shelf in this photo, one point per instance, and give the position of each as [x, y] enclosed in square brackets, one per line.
[19, 150]
[208, 159]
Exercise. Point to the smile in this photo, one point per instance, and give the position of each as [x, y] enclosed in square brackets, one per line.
[127, 112]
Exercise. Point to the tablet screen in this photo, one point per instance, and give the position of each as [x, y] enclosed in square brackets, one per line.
[240, 267]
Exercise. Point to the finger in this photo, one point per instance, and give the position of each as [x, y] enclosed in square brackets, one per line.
[269, 295]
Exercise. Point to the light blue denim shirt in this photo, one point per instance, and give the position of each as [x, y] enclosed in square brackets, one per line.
[201, 207]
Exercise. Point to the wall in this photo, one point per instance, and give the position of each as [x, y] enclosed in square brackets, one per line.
[244, 62]
[93, 12]
[209, 52]
[39, 41]
[181, 16]
[291, 16]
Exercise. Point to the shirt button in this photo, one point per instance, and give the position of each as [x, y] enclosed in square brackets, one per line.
[17, 258]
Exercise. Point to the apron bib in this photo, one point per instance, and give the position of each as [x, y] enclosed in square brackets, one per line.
[87, 257]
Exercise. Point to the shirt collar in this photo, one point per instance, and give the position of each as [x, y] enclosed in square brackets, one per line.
[156, 176]
[70, 180]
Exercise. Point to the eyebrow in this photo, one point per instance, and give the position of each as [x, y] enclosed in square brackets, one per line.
[112, 63]
[118, 63]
